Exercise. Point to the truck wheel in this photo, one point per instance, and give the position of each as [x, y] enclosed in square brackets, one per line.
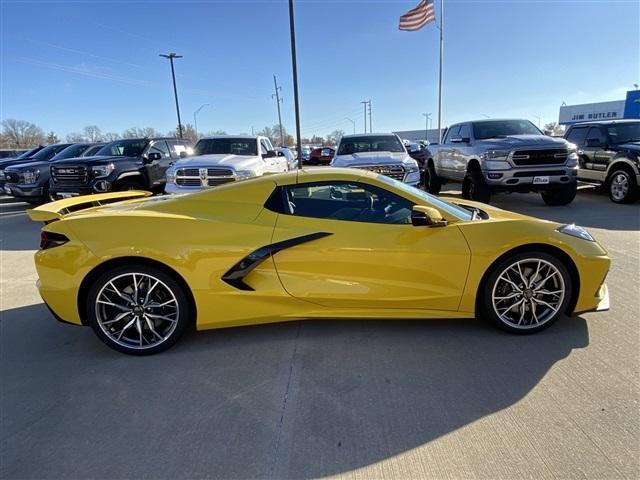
[475, 188]
[432, 183]
[129, 184]
[559, 197]
[622, 187]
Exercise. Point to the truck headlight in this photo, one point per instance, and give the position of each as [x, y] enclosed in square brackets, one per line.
[1, 174]
[99, 171]
[411, 167]
[496, 165]
[572, 147]
[30, 176]
[171, 175]
[576, 231]
[244, 174]
[495, 155]
[572, 160]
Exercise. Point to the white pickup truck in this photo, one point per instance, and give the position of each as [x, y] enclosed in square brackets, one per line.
[223, 159]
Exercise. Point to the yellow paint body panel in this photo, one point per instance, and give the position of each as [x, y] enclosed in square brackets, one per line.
[361, 270]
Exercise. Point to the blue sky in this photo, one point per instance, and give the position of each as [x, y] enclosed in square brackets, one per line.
[67, 64]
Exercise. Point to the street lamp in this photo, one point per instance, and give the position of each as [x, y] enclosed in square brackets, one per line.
[539, 120]
[353, 122]
[171, 56]
[427, 120]
[195, 119]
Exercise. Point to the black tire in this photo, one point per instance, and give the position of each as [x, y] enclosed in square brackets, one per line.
[432, 182]
[98, 314]
[475, 188]
[622, 186]
[129, 184]
[493, 283]
[560, 197]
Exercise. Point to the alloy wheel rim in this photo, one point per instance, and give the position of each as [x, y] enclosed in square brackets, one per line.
[619, 186]
[137, 310]
[528, 293]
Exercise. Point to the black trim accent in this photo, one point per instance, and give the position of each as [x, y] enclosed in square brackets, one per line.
[236, 274]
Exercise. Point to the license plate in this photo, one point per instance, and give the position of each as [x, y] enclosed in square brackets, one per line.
[68, 194]
[540, 180]
[7, 190]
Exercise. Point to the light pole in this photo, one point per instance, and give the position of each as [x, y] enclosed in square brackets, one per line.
[171, 56]
[427, 119]
[365, 103]
[354, 124]
[539, 119]
[195, 118]
[485, 116]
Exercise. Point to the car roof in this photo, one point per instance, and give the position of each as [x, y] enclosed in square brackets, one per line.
[383, 134]
[605, 122]
[247, 137]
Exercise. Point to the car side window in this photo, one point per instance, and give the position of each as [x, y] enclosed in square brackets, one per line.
[160, 147]
[264, 147]
[464, 132]
[577, 135]
[176, 147]
[347, 201]
[452, 133]
[595, 133]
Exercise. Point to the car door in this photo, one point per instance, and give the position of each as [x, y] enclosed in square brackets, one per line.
[365, 253]
[461, 151]
[578, 136]
[157, 168]
[601, 153]
[446, 159]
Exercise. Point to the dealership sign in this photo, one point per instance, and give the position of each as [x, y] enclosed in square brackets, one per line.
[628, 108]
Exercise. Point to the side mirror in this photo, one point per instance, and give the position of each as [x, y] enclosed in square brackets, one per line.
[151, 157]
[594, 143]
[270, 154]
[183, 154]
[423, 216]
[548, 133]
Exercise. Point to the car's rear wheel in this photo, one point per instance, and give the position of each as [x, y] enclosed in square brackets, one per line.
[559, 197]
[137, 310]
[526, 292]
[622, 187]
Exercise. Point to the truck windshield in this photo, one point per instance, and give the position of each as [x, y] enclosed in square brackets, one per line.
[227, 146]
[503, 128]
[47, 152]
[373, 143]
[624, 132]
[72, 151]
[30, 153]
[123, 148]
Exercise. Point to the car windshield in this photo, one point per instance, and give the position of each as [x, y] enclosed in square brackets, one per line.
[227, 146]
[450, 208]
[370, 143]
[71, 151]
[624, 132]
[124, 148]
[503, 128]
[46, 153]
[29, 153]
[92, 150]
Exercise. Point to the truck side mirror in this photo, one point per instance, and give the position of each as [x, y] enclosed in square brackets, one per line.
[183, 154]
[270, 154]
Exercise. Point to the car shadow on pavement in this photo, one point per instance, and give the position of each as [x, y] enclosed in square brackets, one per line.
[288, 400]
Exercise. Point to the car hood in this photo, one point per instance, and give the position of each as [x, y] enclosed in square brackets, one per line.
[95, 160]
[633, 146]
[524, 141]
[370, 158]
[237, 162]
[14, 161]
[43, 166]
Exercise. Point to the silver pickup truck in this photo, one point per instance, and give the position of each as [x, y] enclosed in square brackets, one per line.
[489, 156]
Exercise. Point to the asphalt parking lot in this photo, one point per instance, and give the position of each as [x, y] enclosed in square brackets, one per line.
[358, 399]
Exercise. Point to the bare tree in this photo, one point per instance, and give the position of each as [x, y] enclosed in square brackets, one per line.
[316, 140]
[75, 137]
[334, 137]
[213, 133]
[110, 136]
[52, 137]
[136, 132]
[20, 133]
[555, 129]
[92, 133]
[188, 132]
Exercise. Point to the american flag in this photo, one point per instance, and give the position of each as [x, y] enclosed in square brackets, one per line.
[418, 17]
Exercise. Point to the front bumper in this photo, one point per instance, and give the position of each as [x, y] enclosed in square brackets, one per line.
[532, 178]
[173, 188]
[23, 191]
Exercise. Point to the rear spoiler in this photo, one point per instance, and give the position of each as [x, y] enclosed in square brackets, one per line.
[50, 212]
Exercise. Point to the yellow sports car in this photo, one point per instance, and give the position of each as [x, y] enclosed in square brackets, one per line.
[325, 243]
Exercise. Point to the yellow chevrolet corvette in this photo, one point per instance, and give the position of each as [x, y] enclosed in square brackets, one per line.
[325, 243]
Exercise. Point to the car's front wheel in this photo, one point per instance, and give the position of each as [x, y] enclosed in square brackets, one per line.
[526, 292]
[475, 188]
[559, 197]
[137, 310]
[432, 182]
[622, 187]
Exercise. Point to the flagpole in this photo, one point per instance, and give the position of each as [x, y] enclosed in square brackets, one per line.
[440, 74]
[294, 67]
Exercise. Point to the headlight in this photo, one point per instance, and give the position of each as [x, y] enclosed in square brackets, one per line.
[572, 160]
[1, 174]
[496, 165]
[576, 231]
[495, 155]
[99, 171]
[411, 167]
[171, 175]
[30, 176]
[242, 174]
[572, 148]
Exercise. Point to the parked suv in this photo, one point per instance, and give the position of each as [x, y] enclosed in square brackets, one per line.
[489, 156]
[129, 164]
[38, 154]
[30, 181]
[382, 153]
[223, 159]
[609, 155]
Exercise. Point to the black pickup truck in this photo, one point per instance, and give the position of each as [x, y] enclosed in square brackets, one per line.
[609, 155]
[129, 164]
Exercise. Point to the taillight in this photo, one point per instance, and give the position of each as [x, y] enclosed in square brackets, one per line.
[51, 239]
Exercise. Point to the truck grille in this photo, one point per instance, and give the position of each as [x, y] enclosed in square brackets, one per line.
[555, 156]
[204, 177]
[70, 175]
[394, 171]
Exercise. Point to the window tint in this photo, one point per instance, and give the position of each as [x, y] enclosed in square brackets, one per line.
[370, 143]
[503, 128]
[464, 132]
[354, 202]
[178, 146]
[123, 148]
[577, 135]
[452, 133]
[160, 147]
[595, 133]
